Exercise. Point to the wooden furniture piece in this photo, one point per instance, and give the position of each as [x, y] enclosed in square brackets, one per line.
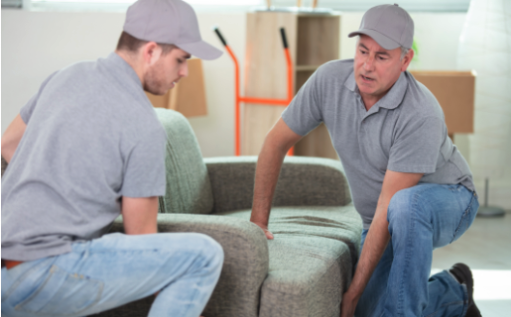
[455, 91]
[313, 39]
[188, 96]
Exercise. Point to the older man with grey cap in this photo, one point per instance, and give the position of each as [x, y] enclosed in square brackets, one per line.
[86, 148]
[411, 186]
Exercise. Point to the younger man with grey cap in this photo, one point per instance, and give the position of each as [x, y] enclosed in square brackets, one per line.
[409, 183]
[87, 147]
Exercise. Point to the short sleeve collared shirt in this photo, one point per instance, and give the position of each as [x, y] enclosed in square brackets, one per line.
[92, 137]
[404, 131]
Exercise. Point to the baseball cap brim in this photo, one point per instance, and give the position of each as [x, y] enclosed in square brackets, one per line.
[201, 50]
[384, 41]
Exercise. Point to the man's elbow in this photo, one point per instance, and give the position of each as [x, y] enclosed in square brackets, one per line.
[280, 138]
[12, 137]
[7, 150]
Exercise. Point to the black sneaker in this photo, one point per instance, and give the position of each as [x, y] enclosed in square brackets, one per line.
[464, 276]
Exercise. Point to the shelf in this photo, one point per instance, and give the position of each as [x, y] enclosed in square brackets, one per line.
[301, 68]
[317, 40]
[301, 78]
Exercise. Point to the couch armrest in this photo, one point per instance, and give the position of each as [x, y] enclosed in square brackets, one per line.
[303, 181]
[245, 259]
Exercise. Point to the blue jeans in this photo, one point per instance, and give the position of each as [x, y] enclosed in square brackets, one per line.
[116, 269]
[421, 218]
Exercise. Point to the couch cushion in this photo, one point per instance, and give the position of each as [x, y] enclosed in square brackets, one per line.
[188, 187]
[311, 259]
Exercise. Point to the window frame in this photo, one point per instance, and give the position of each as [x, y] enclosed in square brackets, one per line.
[335, 5]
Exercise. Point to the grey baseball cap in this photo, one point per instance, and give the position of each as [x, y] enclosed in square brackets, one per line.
[168, 22]
[389, 25]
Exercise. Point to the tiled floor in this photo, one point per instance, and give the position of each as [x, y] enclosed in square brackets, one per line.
[486, 248]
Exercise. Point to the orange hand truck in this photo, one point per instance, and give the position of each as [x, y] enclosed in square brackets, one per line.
[267, 101]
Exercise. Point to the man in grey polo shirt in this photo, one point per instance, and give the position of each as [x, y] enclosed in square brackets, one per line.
[409, 183]
[86, 148]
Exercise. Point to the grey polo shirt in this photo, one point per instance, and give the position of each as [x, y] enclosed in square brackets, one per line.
[404, 131]
[92, 137]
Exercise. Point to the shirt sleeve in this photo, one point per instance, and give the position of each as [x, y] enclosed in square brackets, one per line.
[416, 147]
[304, 113]
[28, 109]
[144, 172]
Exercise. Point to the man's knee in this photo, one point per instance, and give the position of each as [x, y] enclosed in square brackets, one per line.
[407, 206]
[212, 250]
[400, 205]
[204, 247]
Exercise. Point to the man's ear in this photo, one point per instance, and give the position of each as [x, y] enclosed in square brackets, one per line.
[407, 59]
[151, 52]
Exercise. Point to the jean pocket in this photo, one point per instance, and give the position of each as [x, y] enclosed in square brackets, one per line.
[63, 294]
[467, 218]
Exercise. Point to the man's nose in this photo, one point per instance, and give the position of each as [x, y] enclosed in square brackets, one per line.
[369, 63]
[184, 69]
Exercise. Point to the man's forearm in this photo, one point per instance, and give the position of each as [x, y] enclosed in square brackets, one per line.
[377, 238]
[278, 141]
[267, 174]
[375, 244]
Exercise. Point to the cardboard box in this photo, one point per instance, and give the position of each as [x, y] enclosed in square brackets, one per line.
[455, 91]
[188, 96]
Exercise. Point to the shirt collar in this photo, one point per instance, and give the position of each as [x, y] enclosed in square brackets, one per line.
[350, 82]
[395, 95]
[392, 99]
[119, 63]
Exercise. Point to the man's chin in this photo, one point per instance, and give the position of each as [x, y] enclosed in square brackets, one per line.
[365, 88]
[157, 92]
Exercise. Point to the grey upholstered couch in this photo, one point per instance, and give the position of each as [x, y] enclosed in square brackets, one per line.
[302, 272]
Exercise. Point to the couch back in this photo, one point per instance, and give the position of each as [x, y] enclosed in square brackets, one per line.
[303, 181]
[188, 186]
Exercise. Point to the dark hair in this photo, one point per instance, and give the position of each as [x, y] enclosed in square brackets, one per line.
[131, 44]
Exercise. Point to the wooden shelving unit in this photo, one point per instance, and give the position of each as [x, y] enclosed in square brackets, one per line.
[313, 40]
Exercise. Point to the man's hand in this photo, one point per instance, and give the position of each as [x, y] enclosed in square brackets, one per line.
[348, 305]
[140, 214]
[267, 232]
[278, 141]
